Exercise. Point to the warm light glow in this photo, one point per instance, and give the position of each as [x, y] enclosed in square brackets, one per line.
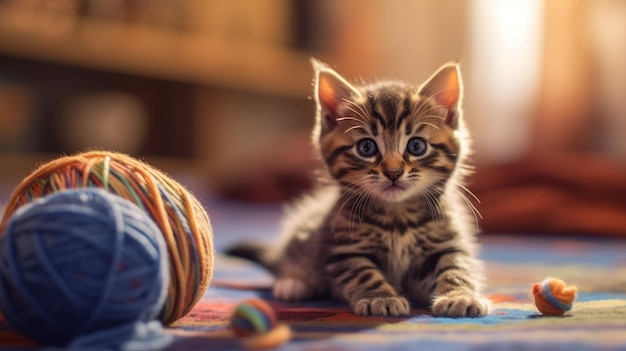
[505, 54]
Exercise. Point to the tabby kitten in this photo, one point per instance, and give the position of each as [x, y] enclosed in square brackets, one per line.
[391, 228]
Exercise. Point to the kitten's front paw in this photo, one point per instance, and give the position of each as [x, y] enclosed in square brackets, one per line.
[291, 289]
[382, 306]
[460, 304]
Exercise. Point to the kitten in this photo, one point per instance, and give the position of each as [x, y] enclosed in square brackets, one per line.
[390, 229]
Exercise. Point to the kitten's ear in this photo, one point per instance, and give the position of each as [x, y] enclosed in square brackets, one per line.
[330, 91]
[444, 88]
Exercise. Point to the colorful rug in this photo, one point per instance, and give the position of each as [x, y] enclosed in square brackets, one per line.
[596, 322]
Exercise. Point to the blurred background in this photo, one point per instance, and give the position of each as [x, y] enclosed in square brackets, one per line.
[218, 93]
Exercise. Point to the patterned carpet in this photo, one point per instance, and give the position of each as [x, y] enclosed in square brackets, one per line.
[596, 322]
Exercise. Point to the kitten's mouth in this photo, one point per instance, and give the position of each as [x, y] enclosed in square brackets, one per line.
[393, 188]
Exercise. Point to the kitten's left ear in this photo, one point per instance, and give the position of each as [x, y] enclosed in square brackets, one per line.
[331, 90]
[444, 88]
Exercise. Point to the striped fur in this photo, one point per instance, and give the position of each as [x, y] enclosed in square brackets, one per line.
[390, 229]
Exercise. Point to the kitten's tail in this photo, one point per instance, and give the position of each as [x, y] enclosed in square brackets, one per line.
[255, 252]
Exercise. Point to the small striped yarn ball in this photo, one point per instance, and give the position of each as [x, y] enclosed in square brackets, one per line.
[80, 261]
[183, 222]
[251, 317]
[553, 297]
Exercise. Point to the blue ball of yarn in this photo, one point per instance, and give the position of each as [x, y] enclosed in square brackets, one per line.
[79, 262]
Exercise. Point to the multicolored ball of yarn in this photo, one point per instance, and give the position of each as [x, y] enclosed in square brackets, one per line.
[83, 268]
[553, 297]
[256, 321]
[252, 316]
[183, 222]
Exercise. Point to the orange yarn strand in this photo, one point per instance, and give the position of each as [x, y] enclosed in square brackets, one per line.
[183, 221]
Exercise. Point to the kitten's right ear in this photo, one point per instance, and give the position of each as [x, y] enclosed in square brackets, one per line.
[331, 90]
[445, 89]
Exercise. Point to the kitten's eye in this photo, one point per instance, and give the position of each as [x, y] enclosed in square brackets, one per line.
[417, 146]
[367, 147]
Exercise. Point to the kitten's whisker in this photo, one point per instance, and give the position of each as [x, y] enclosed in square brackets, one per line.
[360, 195]
[437, 205]
[359, 113]
[355, 213]
[361, 117]
[347, 118]
[361, 123]
[438, 211]
[472, 208]
[419, 113]
[351, 215]
[350, 118]
[339, 212]
[469, 192]
[431, 116]
[468, 202]
[424, 114]
[352, 195]
[417, 109]
[428, 124]
[425, 196]
[356, 127]
[362, 112]
[355, 210]
[424, 101]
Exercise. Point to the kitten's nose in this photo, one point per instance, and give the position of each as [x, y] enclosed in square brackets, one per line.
[392, 174]
[393, 167]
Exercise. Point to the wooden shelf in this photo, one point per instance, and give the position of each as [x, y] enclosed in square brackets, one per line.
[160, 53]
